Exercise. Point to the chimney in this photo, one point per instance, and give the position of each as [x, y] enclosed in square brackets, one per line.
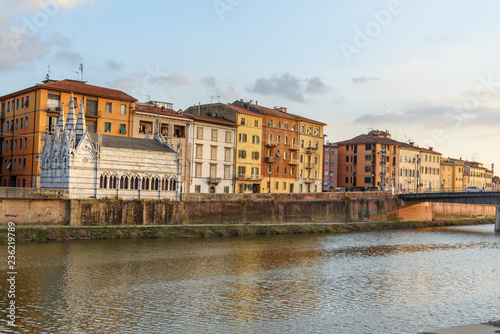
[431, 148]
[284, 109]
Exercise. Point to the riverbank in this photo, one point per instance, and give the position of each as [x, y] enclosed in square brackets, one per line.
[203, 231]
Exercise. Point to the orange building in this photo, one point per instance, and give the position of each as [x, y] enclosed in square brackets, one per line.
[368, 162]
[280, 148]
[29, 113]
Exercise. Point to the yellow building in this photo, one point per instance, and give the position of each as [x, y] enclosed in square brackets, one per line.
[477, 174]
[446, 176]
[456, 182]
[29, 113]
[310, 155]
[248, 151]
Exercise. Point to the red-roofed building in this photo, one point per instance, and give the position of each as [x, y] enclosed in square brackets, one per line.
[29, 113]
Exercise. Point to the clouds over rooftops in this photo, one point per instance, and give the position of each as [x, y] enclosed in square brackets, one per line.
[364, 79]
[288, 86]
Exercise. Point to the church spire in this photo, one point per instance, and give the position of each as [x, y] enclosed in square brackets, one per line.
[70, 121]
[60, 119]
[81, 128]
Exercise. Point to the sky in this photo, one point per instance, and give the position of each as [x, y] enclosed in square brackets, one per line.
[426, 71]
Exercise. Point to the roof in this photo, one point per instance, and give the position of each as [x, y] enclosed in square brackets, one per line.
[78, 87]
[304, 119]
[365, 139]
[132, 143]
[244, 111]
[210, 119]
[149, 108]
[267, 111]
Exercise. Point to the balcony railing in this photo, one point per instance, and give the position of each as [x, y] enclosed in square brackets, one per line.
[271, 143]
[309, 181]
[308, 166]
[246, 177]
[214, 180]
[311, 150]
[270, 160]
[293, 162]
[294, 147]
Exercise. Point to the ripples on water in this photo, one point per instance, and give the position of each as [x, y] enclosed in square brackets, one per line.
[380, 282]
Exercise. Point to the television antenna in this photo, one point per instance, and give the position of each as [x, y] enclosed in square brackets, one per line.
[47, 76]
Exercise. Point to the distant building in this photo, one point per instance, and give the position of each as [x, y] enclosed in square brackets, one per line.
[330, 166]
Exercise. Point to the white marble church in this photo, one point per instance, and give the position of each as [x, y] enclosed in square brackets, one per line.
[96, 166]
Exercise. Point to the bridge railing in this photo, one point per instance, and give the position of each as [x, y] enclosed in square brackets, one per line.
[439, 190]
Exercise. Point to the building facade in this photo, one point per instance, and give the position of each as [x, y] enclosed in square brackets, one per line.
[28, 114]
[330, 167]
[92, 165]
[212, 159]
[409, 168]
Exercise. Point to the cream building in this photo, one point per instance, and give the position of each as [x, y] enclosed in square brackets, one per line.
[430, 170]
[409, 158]
[212, 156]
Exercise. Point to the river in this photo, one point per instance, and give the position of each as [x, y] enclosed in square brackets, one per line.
[373, 282]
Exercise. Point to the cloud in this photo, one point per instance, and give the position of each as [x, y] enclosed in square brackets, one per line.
[69, 56]
[225, 91]
[364, 79]
[175, 79]
[111, 65]
[23, 44]
[289, 86]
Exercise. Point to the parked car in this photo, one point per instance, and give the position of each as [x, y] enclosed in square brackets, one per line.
[474, 190]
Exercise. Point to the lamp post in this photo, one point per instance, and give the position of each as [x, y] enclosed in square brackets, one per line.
[37, 158]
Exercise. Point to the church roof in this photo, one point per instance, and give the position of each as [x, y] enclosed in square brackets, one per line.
[132, 143]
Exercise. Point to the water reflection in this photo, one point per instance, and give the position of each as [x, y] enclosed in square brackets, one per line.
[387, 282]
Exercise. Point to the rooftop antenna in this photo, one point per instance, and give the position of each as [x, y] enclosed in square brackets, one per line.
[149, 98]
[213, 97]
[47, 76]
[77, 75]
[81, 69]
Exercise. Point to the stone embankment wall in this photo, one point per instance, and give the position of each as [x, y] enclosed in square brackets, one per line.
[50, 208]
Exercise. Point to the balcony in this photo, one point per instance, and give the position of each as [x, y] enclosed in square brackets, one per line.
[308, 166]
[256, 177]
[270, 160]
[309, 181]
[214, 180]
[311, 150]
[293, 162]
[271, 143]
[294, 147]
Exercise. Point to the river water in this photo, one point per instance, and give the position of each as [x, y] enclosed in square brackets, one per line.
[373, 282]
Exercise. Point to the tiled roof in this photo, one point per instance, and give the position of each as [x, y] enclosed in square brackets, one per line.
[209, 119]
[131, 143]
[302, 118]
[143, 107]
[365, 139]
[78, 87]
[244, 111]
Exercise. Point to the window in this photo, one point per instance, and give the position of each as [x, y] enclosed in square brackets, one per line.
[123, 129]
[256, 123]
[107, 127]
[91, 107]
[8, 106]
[243, 121]
[268, 169]
[278, 139]
[243, 138]
[277, 170]
[228, 136]
[278, 124]
[227, 172]
[214, 134]
[199, 132]
[276, 186]
[242, 170]
[286, 140]
[145, 127]
[270, 122]
[368, 157]
[197, 189]
[285, 125]
[284, 185]
[285, 155]
[294, 127]
[255, 139]
[21, 123]
[123, 109]
[227, 154]
[226, 190]
[25, 143]
[277, 154]
[197, 171]
[255, 155]
[292, 171]
[24, 163]
[368, 169]
[284, 170]
[199, 151]
[242, 154]
[255, 171]
[213, 152]
[302, 143]
[17, 105]
[109, 107]
[302, 129]
[17, 122]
